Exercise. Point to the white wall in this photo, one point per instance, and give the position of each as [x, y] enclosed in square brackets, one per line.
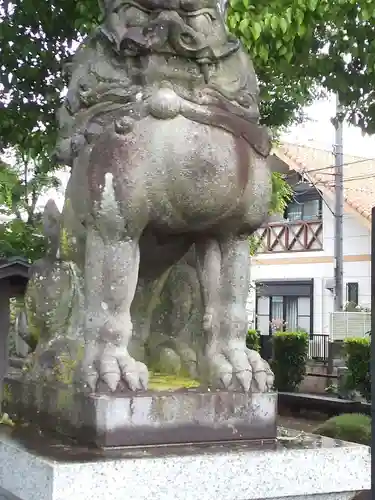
[356, 242]
[357, 238]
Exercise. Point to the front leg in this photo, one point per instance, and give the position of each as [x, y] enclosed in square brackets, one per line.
[232, 365]
[249, 369]
[218, 371]
[111, 274]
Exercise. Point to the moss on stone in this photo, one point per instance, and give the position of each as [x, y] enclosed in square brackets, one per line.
[7, 393]
[162, 382]
[6, 420]
[65, 399]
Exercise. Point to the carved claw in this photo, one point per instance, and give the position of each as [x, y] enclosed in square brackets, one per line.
[111, 379]
[143, 376]
[244, 378]
[112, 366]
[133, 381]
[263, 377]
[91, 379]
[236, 368]
[109, 371]
[225, 379]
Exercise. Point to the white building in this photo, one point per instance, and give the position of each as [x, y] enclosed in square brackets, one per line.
[293, 272]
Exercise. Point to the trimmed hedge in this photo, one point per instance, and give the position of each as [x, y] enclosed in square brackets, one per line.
[253, 340]
[290, 351]
[358, 355]
[353, 427]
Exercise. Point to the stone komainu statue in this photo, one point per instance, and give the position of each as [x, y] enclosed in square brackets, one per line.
[149, 259]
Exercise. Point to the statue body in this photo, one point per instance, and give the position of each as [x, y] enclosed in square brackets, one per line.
[169, 178]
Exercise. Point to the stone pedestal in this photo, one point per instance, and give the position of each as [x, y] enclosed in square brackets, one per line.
[145, 418]
[40, 468]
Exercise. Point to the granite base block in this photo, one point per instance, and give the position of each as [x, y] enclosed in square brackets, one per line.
[146, 418]
[330, 496]
[53, 470]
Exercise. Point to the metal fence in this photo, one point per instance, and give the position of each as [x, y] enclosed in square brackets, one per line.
[318, 347]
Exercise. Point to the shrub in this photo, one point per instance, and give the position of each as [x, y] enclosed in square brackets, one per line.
[353, 427]
[289, 359]
[253, 340]
[358, 354]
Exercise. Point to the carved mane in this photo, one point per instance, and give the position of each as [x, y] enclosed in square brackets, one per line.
[116, 69]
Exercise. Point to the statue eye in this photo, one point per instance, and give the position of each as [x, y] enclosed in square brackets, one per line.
[201, 23]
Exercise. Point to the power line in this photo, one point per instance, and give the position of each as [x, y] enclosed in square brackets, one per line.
[321, 169]
[328, 183]
[370, 176]
[314, 184]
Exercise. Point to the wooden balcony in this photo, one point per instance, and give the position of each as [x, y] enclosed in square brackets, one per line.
[301, 236]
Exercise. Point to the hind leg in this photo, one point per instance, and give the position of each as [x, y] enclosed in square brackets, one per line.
[111, 275]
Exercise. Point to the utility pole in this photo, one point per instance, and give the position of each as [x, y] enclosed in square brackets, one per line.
[339, 207]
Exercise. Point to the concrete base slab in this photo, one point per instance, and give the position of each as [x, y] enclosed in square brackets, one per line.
[37, 467]
[145, 418]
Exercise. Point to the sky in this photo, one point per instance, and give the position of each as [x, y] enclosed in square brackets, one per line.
[319, 132]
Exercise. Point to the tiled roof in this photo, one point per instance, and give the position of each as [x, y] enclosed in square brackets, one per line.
[359, 173]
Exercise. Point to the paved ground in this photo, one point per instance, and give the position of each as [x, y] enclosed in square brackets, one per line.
[299, 424]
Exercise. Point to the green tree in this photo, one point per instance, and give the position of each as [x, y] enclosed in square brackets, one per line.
[296, 46]
[36, 40]
[22, 183]
[300, 45]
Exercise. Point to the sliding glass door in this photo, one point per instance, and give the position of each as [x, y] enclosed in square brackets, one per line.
[278, 312]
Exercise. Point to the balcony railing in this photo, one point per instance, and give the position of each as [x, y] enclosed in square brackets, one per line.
[298, 236]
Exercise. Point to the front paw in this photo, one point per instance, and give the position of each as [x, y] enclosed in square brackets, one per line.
[263, 377]
[235, 367]
[114, 367]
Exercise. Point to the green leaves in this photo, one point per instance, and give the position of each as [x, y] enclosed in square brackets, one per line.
[307, 44]
[312, 5]
[281, 194]
[358, 357]
[35, 40]
[283, 23]
[22, 183]
[253, 340]
[19, 239]
[256, 30]
[289, 359]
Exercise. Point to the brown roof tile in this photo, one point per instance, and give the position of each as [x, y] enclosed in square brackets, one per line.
[359, 173]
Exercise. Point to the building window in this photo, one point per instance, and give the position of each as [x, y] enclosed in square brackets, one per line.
[291, 313]
[277, 308]
[352, 293]
[283, 313]
[306, 210]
